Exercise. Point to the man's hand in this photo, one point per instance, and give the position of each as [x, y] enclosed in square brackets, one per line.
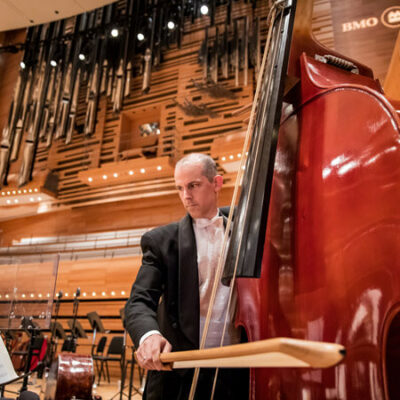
[148, 353]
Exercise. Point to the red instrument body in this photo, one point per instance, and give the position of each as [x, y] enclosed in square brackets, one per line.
[331, 262]
[71, 375]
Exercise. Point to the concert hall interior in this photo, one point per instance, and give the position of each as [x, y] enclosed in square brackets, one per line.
[298, 104]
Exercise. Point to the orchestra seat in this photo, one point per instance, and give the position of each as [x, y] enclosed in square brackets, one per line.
[98, 352]
[114, 353]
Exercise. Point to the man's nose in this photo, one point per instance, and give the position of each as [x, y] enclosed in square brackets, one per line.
[186, 194]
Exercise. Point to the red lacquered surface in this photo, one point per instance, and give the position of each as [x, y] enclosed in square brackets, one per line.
[71, 375]
[331, 264]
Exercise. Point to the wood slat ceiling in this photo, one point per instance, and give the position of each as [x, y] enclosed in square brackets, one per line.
[16, 14]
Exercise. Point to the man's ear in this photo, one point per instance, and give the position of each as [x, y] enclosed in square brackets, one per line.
[218, 182]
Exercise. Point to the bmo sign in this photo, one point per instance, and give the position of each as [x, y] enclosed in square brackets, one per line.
[389, 18]
[366, 31]
[362, 24]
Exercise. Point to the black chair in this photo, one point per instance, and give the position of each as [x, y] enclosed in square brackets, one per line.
[98, 353]
[114, 353]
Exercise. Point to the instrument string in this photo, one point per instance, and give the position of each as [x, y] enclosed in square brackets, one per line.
[221, 260]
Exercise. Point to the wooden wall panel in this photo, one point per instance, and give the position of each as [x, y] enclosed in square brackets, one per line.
[127, 214]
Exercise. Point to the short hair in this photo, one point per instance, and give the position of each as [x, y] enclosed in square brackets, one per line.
[209, 166]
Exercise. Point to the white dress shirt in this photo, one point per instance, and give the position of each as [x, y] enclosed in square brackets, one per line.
[209, 235]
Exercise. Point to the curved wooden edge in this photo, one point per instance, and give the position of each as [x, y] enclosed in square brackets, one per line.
[277, 352]
[304, 41]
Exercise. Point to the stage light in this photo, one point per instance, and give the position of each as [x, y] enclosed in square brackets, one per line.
[204, 9]
[22, 65]
[114, 32]
[131, 172]
[115, 175]
[140, 36]
[104, 177]
[171, 25]
[53, 63]
[142, 170]
[90, 179]
[159, 168]
[81, 57]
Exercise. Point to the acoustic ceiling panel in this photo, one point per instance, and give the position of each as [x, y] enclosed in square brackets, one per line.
[15, 14]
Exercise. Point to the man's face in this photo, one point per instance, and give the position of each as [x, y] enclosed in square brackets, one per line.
[197, 193]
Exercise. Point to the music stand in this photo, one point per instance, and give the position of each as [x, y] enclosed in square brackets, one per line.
[78, 331]
[59, 331]
[132, 361]
[96, 324]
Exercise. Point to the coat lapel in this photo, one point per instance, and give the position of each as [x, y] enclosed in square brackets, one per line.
[188, 282]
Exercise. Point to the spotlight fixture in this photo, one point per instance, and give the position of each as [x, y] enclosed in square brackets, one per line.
[114, 32]
[171, 25]
[204, 9]
[81, 57]
[22, 65]
[140, 36]
[53, 63]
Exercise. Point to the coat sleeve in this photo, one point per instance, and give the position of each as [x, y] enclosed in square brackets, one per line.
[141, 307]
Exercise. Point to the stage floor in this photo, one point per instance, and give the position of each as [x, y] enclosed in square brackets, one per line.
[106, 390]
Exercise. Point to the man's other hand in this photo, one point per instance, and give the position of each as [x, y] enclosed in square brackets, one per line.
[148, 353]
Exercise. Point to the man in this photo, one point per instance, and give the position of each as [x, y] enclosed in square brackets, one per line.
[169, 300]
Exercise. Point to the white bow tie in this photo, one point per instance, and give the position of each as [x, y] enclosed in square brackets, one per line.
[217, 221]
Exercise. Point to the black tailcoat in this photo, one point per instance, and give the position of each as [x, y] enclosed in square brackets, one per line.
[165, 297]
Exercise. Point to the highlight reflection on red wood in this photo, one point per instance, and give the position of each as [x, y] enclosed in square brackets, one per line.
[70, 376]
[331, 270]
